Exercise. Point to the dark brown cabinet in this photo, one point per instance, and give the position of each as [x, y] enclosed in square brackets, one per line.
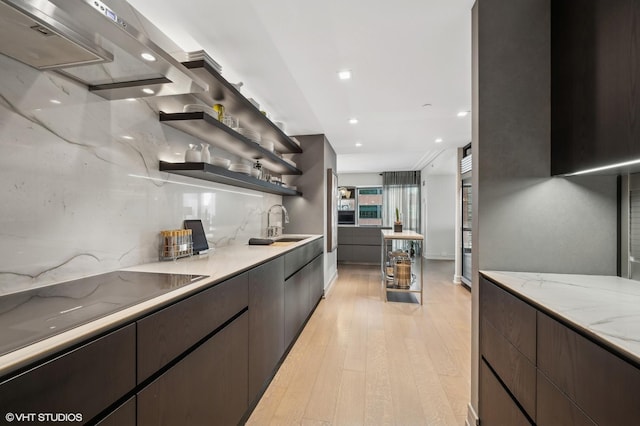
[595, 83]
[302, 291]
[85, 380]
[603, 385]
[203, 359]
[496, 406]
[296, 304]
[208, 386]
[316, 282]
[266, 323]
[124, 415]
[572, 380]
[164, 335]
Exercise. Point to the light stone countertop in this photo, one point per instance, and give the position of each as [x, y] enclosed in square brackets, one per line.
[606, 308]
[219, 264]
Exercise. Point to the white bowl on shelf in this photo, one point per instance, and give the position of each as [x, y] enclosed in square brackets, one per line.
[240, 168]
[221, 162]
[255, 173]
[268, 144]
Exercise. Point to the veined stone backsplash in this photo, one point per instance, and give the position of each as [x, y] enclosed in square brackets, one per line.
[81, 190]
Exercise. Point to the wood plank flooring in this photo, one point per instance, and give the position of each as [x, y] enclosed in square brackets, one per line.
[361, 361]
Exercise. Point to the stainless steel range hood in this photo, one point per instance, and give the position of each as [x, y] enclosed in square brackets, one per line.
[87, 41]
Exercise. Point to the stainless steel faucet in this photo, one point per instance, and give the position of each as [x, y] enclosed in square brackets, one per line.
[276, 230]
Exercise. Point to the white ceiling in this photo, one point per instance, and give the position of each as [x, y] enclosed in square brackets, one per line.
[403, 54]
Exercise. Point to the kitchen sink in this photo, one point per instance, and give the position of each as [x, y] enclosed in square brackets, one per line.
[289, 239]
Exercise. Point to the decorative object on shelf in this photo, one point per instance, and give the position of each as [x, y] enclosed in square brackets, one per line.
[238, 85]
[256, 172]
[176, 243]
[192, 155]
[249, 134]
[254, 103]
[267, 144]
[397, 225]
[219, 109]
[240, 168]
[221, 162]
[230, 121]
[205, 155]
[199, 108]
[200, 55]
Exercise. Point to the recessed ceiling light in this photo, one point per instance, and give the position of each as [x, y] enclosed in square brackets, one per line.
[344, 75]
[438, 140]
[463, 113]
[148, 91]
[353, 121]
[127, 137]
[131, 99]
[358, 144]
[55, 101]
[148, 57]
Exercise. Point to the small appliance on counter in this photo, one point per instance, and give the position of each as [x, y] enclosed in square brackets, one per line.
[199, 238]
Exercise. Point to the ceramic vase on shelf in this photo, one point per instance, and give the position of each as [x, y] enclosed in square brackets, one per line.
[205, 155]
[192, 155]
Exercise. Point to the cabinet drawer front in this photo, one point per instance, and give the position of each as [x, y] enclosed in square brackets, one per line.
[513, 318]
[208, 386]
[169, 332]
[603, 385]
[124, 415]
[513, 368]
[85, 380]
[554, 408]
[296, 259]
[496, 406]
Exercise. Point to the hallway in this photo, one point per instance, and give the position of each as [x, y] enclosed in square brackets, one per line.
[361, 361]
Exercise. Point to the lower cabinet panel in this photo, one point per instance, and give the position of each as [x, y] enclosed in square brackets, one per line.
[316, 278]
[208, 386]
[599, 382]
[85, 381]
[497, 408]
[124, 415]
[554, 408]
[296, 304]
[514, 369]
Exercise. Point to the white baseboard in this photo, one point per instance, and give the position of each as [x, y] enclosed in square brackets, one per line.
[457, 279]
[439, 256]
[329, 286]
[472, 417]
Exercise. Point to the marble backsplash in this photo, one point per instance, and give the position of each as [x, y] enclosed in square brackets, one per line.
[81, 190]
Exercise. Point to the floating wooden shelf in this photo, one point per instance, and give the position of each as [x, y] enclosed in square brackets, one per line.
[223, 92]
[208, 129]
[211, 173]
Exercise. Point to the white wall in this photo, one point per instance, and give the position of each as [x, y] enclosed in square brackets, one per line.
[359, 179]
[439, 210]
[438, 194]
[78, 199]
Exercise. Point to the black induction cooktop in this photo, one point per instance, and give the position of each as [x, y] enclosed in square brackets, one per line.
[33, 315]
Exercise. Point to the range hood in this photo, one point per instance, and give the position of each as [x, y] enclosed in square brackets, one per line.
[87, 41]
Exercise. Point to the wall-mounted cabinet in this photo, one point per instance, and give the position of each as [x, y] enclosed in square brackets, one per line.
[211, 173]
[595, 84]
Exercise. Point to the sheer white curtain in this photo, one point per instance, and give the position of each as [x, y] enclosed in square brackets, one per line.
[401, 190]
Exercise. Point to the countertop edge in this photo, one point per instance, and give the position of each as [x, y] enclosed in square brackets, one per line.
[28, 355]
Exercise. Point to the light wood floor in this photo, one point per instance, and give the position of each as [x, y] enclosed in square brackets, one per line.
[361, 361]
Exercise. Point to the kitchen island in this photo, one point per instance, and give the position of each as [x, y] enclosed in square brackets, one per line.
[359, 244]
[221, 336]
[558, 348]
